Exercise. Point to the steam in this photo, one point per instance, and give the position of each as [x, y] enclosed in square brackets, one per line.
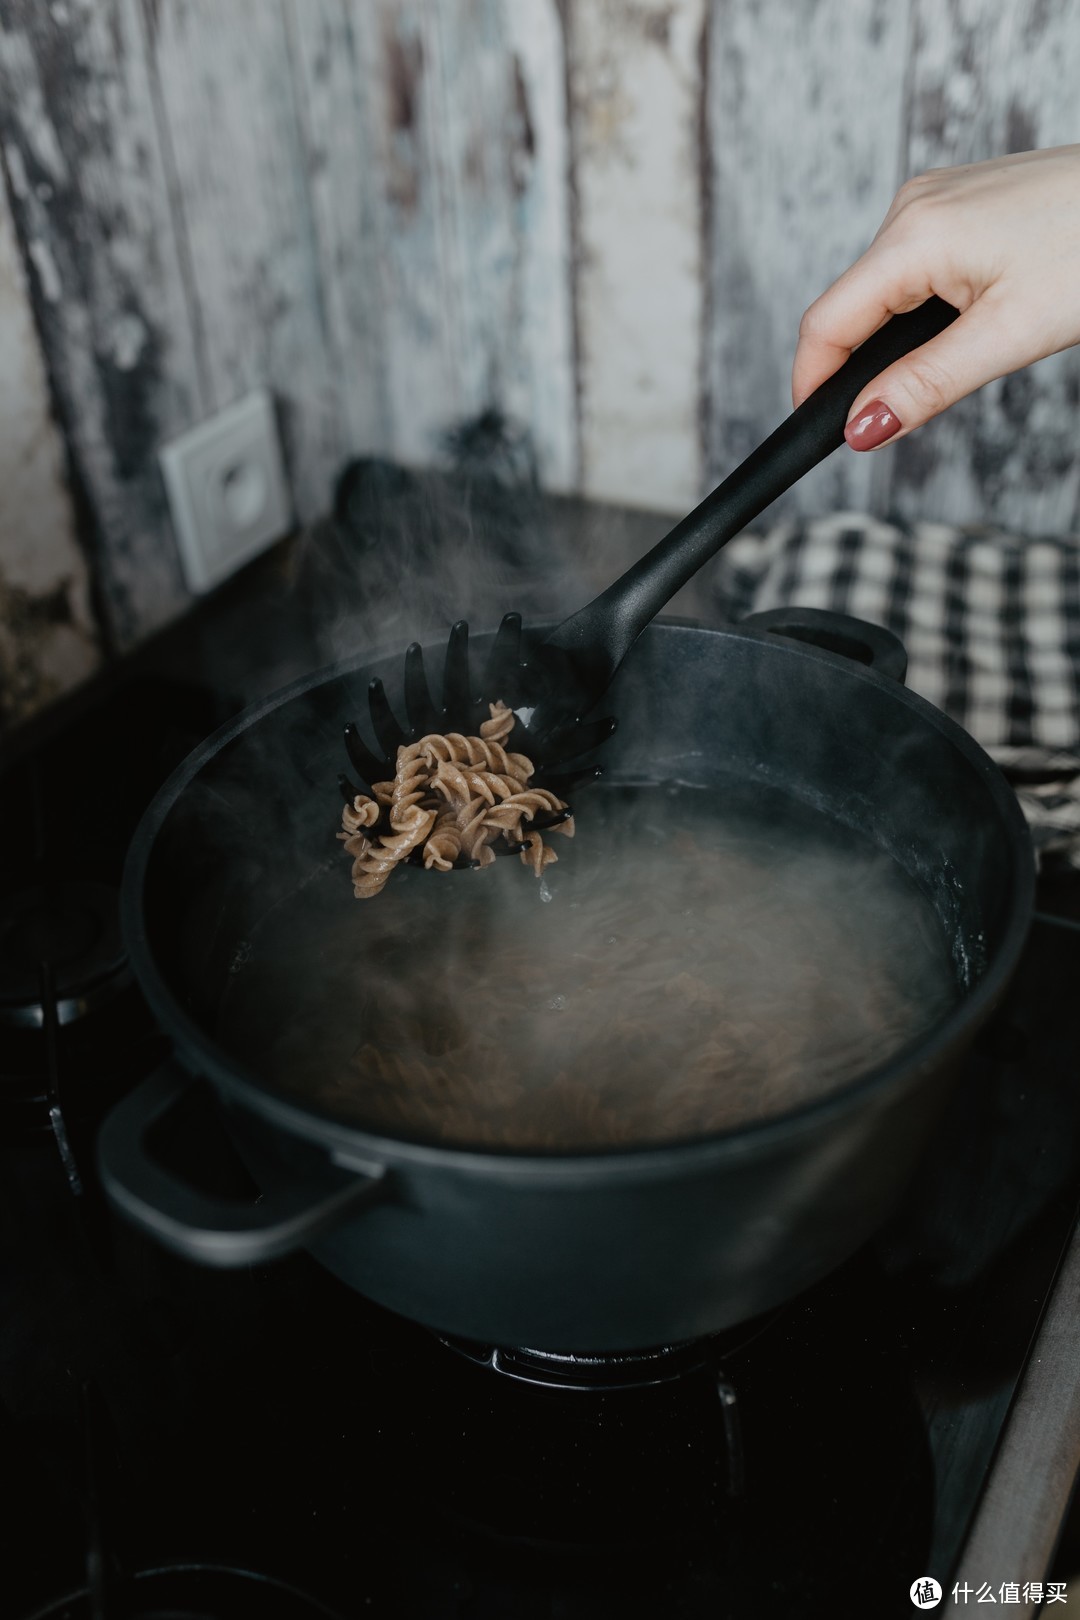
[699, 961]
[711, 958]
[409, 553]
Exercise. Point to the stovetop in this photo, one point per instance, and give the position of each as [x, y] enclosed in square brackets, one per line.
[188, 1442]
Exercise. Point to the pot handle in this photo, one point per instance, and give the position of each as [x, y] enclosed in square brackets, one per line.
[201, 1226]
[864, 643]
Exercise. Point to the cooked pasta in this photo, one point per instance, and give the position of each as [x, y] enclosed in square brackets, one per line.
[451, 798]
[711, 957]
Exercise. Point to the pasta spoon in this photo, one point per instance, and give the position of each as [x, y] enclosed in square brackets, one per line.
[553, 683]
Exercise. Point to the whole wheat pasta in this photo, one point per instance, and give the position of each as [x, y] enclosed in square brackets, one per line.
[484, 752]
[444, 842]
[451, 797]
[363, 812]
[501, 724]
[722, 957]
[374, 861]
[536, 853]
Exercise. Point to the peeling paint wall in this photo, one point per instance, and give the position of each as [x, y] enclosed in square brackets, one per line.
[817, 113]
[605, 216]
[635, 88]
[47, 638]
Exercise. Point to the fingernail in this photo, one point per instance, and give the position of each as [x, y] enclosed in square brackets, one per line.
[872, 426]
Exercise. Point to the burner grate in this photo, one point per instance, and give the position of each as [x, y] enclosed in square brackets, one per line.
[73, 929]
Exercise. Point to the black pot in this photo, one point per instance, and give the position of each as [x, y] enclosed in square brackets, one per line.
[589, 1251]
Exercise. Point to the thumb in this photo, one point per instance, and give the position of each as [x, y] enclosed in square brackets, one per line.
[970, 352]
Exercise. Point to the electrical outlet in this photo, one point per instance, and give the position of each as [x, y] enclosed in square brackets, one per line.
[228, 492]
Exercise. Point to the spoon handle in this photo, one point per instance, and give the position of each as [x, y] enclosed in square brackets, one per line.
[599, 636]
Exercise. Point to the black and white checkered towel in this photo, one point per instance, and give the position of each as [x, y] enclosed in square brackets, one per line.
[991, 623]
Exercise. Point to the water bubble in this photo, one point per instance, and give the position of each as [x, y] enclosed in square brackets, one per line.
[545, 890]
[557, 1003]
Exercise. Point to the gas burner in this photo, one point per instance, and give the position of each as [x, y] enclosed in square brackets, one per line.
[624, 1369]
[636, 1369]
[189, 1592]
[67, 931]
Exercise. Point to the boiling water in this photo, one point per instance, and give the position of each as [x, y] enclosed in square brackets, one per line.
[697, 959]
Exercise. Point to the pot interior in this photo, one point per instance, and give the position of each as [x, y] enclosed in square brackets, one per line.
[790, 874]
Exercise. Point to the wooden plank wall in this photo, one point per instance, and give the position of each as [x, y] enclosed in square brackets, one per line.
[47, 635]
[606, 217]
[361, 206]
[801, 96]
[984, 80]
[798, 95]
[635, 83]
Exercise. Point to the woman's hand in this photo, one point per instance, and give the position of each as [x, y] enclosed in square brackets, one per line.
[1001, 242]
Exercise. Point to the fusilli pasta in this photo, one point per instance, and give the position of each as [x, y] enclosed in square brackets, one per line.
[451, 798]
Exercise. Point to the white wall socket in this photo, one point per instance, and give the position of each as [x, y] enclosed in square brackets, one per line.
[228, 493]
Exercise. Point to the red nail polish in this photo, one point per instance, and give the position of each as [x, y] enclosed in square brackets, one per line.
[872, 426]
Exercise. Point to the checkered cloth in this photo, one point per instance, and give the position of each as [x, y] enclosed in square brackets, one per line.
[991, 623]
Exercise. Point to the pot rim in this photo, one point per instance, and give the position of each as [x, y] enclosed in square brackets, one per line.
[201, 1056]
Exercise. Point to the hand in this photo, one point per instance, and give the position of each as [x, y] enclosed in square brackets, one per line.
[1001, 242]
